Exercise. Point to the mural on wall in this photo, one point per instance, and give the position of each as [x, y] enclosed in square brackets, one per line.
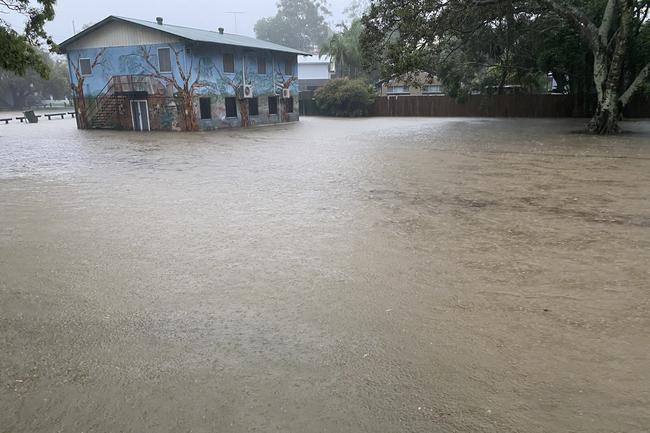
[78, 87]
[195, 70]
[185, 86]
[236, 84]
[285, 83]
[166, 119]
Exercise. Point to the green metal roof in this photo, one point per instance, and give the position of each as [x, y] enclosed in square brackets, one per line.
[191, 34]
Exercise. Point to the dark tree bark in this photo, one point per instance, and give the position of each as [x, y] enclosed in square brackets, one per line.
[609, 45]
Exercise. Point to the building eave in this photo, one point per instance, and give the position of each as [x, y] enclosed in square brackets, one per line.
[202, 36]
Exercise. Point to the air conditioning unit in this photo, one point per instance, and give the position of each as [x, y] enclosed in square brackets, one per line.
[248, 91]
[286, 93]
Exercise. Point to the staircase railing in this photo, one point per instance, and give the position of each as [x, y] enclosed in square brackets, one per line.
[117, 84]
[132, 83]
[93, 105]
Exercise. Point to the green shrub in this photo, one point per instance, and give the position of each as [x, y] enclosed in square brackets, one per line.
[344, 98]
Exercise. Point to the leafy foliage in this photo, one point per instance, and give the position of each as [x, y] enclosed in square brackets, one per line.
[589, 46]
[345, 48]
[21, 51]
[298, 24]
[18, 91]
[345, 98]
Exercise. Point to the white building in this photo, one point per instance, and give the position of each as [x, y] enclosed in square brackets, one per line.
[314, 71]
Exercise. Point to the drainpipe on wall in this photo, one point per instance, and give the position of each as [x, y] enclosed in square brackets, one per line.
[243, 69]
[275, 90]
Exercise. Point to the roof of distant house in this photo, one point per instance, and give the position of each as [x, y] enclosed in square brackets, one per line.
[190, 34]
[315, 59]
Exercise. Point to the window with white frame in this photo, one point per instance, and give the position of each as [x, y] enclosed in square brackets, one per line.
[397, 89]
[164, 60]
[85, 67]
[432, 88]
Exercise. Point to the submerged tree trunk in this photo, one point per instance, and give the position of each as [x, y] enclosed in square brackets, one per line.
[609, 45]
[608, 71]
[605, 120]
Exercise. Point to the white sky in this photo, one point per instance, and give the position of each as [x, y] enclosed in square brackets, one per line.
[203, 14]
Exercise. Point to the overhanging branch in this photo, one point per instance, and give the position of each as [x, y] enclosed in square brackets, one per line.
[641, 77]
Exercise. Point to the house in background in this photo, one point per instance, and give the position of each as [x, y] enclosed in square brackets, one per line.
[419, 85]
[133, 74]
[314, 72]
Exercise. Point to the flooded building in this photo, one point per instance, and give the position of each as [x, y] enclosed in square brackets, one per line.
[134, 74]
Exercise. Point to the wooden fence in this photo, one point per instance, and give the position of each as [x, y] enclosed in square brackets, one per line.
[499, 106]
[487, 106]
[307, 104]
[638, 107]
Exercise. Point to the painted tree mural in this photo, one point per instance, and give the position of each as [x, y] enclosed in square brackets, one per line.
[78, 88]
[185, 85]
[237, 85]
[175, 87]
[284, 81]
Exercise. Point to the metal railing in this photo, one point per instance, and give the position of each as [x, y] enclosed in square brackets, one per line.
[118, 84]
[93, 105]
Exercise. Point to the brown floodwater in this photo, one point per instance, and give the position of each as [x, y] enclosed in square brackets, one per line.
[368, 275]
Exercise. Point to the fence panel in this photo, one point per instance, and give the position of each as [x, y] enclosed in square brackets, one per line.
[499, 106]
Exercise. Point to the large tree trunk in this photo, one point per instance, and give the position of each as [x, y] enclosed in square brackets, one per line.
[608, 69]
[605, 120]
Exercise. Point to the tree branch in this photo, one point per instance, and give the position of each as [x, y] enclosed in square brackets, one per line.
[156, 73]
[606, 23]
[577, 18]
[636, 84]
[573, 15]
[98, 57]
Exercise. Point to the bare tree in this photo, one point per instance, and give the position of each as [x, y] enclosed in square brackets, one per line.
[78, 89]
[281, 82]
[185, 85]
[237, 86]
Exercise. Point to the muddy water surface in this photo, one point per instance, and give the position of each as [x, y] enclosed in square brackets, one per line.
[372, 275]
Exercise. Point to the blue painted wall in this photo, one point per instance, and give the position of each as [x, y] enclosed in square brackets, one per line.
[205, 60]
[203, 64]
[118, 61]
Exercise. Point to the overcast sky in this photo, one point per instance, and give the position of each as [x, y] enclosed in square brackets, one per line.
[204, 14]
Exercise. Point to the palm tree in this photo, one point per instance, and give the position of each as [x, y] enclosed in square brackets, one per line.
[344, 48]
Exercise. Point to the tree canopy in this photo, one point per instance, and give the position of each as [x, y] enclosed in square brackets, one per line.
[345, 98]
[20, 51]
[587, 45]
[298, 24]
[19, 91]
[345, 49]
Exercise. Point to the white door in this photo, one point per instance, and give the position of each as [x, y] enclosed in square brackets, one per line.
[140, 115]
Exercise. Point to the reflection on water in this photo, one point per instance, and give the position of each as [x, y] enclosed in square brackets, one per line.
[331, 275]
